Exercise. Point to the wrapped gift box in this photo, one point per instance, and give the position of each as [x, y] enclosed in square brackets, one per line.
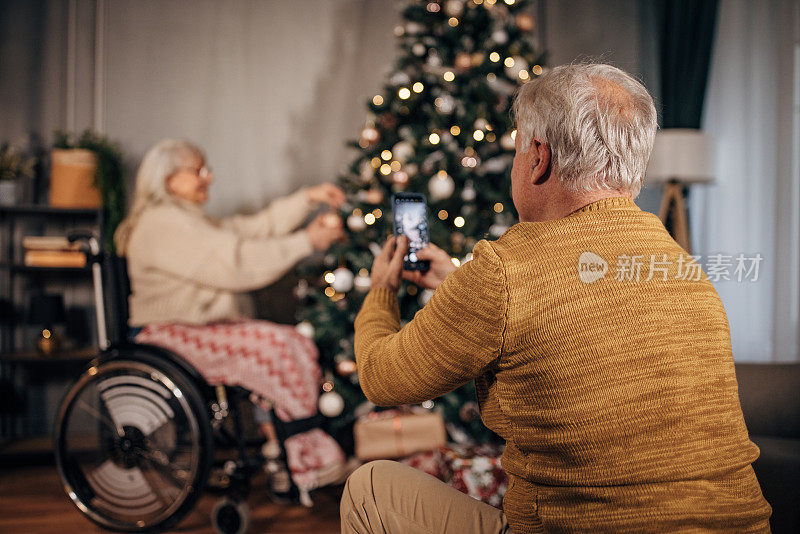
[397, 433]
[471, 469]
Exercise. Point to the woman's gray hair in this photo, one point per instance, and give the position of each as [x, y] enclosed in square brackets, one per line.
[158, 164]
[599, 121]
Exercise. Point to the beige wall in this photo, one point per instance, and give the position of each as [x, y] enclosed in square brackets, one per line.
[272, 90]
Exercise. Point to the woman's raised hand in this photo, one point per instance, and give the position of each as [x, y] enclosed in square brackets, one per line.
[326, 193]
[325, 230]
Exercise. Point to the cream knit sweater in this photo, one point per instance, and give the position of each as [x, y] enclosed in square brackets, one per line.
[187, 267]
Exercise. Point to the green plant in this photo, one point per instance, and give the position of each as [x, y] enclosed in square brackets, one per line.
[14, 164]
[108, 179]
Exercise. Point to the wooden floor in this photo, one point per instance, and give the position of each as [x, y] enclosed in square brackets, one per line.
[33, 502]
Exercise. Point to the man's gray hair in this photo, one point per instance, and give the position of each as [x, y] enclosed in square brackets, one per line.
[599, 121]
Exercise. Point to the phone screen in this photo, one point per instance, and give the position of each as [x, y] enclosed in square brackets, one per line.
[411, 220]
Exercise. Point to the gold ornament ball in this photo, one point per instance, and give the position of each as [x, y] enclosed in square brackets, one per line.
[388, 120]
[525, 22]
[463, 61]
[346, 367]
[373, 196]
[331, 220]
[369, 136]
[400, 178]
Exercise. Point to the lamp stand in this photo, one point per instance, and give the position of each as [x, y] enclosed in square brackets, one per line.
[673, 209]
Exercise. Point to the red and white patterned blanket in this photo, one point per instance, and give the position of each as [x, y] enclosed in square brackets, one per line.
[275, 363]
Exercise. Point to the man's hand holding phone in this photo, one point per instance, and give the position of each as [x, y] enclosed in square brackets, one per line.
[387, 269]
[388, 265]
[441, 265]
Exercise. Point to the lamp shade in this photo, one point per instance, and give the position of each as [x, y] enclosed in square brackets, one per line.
[680, 154]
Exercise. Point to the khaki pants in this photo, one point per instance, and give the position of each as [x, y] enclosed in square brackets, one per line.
[384, 497]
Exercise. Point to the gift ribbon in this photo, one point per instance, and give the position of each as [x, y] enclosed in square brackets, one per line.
[397, 424]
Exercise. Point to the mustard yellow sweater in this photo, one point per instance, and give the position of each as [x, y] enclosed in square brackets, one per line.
[617, 398]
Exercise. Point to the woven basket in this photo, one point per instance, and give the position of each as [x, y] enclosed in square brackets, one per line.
[72, 179]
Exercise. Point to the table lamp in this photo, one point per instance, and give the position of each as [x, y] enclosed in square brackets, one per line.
[680, 157]
[47, 311]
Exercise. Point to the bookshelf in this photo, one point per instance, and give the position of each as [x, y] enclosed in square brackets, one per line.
[29, 381]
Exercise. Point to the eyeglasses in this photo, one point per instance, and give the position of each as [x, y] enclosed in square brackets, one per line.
[203, 172]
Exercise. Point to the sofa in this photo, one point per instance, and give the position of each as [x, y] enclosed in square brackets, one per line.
[770, 398]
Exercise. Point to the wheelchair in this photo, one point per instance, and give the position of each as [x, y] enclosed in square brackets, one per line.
[141, 434]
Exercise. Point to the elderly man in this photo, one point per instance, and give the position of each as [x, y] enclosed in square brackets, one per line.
[599, 354]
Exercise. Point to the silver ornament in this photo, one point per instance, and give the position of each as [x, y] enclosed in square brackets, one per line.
[343, 281]
[331, 404]
[305, 329]
[362, 283]
[519, 65]
[301, 289]
[507, 142]
[403, 151]
[445, 103]
[366, 171]
[441, 186]
[356, 223]
[499, 36]
[454, 8]
[399, 78]
[425, 296]
[468, 194]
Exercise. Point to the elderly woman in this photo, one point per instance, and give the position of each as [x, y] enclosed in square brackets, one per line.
[186, 269]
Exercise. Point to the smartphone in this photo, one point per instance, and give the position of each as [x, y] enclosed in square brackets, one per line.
[410, 212]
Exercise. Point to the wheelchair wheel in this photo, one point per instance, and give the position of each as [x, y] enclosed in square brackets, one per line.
[133, 444]
[230, 517]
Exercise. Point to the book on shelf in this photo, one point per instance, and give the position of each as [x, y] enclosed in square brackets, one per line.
[52, 251]
[46, 242]
[55, 258]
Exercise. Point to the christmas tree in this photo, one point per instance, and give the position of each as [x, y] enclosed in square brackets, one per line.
[441, 126]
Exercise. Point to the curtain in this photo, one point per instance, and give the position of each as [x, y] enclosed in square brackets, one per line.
[686, 36]
[749, 96]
